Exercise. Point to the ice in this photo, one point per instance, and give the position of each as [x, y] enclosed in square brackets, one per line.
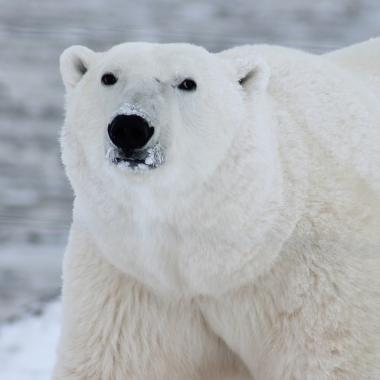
[156, 155]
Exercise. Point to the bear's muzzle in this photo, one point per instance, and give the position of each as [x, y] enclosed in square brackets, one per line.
[131, 135]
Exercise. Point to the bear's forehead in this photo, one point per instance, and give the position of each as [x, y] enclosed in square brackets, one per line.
[139, 55]
[146, 48]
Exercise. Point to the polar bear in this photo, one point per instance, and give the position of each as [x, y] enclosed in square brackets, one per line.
[226, 221]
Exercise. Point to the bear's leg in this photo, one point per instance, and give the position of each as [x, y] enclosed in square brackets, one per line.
[114, 329]
[278, 348]
[302, 321]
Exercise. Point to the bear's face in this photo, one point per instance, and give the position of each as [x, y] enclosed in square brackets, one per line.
[157, 141]
[164, 116]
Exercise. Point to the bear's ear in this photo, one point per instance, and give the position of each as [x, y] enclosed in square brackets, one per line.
[252, 73]
[74, 63]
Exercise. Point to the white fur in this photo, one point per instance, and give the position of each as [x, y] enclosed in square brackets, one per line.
[253, 252]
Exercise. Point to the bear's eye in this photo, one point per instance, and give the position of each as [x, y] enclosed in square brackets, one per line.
[187, 85]
[108, 79]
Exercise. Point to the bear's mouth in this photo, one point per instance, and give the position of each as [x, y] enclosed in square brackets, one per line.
[144, 159]
[133, 139]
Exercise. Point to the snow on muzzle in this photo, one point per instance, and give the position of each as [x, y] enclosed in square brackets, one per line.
[131, 133]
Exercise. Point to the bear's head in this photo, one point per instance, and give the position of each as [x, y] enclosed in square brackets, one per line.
[162, 142]
[164, 116]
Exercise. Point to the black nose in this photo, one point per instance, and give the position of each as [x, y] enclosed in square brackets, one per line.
[129, 132]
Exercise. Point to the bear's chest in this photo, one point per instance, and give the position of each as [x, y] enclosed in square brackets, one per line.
[139, 243]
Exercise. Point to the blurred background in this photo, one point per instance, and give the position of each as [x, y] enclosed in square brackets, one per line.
[35, 197]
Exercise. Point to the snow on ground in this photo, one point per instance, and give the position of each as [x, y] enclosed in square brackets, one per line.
[30, 275]
[27, 346]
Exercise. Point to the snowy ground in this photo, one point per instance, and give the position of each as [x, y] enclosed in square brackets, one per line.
[27, 346]
[35, 198]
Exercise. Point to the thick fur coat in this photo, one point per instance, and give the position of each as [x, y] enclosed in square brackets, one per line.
[253, 250]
